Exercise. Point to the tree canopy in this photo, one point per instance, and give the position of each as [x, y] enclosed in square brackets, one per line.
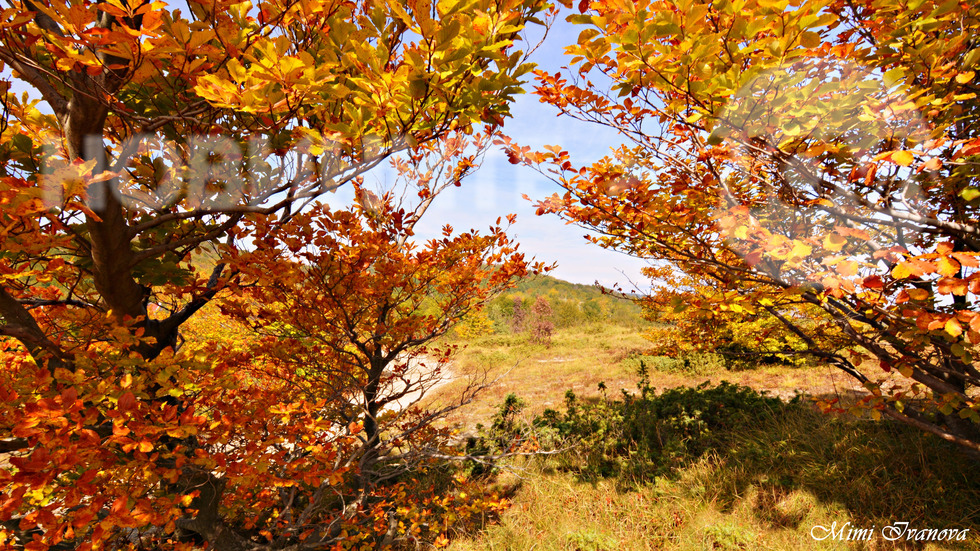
[156, 144]
[812, 163]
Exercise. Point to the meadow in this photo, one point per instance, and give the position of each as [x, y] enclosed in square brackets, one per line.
[770, 479]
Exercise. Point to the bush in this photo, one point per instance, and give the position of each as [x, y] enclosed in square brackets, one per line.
[763, 464]
[641, 436]
[505, 435]
[738, 344]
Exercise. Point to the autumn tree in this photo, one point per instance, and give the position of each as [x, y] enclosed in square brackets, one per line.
[350, 320]
[149, 133]
[519, 318]
[539, 323]
[346, 327]
[811, 163]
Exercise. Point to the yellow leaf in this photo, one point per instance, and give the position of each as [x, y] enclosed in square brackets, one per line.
[800, 250]
[237, 70]
[902, 158]
[963, 78]
[834, 242]
[948, 267]
[903, 270]
[953, 327]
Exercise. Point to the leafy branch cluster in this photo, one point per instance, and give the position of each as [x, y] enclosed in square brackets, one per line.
[810, 164]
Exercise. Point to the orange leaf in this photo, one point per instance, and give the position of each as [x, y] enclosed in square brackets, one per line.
[952, 286]
[969, 149]
[931, 165]
[967, 259]
[873, 282]
[918, 294]
[847, 268]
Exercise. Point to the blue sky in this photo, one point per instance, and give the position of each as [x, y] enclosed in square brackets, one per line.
[496, 189]
[500, 184]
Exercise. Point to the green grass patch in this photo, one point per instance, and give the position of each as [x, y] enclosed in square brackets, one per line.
[690, 364]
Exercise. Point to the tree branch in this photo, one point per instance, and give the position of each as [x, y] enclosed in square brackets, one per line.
[21, 325]
[34, 77]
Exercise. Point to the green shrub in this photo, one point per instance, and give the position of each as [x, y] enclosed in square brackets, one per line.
[725, 442]
[591, 540]
[730, 468]
[504, 435]
[640, 436]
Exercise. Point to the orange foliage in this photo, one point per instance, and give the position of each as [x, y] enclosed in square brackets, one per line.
[811, 163]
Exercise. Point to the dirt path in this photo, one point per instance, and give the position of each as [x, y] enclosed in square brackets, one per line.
[424, 369]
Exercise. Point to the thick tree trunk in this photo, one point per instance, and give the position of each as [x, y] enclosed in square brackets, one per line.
[372, 433]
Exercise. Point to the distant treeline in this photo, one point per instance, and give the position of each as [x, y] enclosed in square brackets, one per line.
[571, 304]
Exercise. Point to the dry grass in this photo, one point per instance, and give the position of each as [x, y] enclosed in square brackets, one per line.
[767, 495]
[580, 358]
[577, 360]
[553, 512]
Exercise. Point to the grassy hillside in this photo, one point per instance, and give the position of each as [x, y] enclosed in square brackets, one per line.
[763, 482]
[572, 304]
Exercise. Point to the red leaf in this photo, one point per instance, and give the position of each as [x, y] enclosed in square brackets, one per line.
[873, 282]
[127, 401]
